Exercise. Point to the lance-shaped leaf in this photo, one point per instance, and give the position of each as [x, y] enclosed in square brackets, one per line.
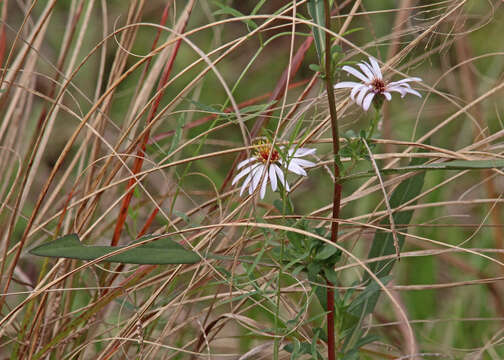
[157, 252]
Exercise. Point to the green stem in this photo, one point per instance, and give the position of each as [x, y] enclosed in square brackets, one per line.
[373, 124]
[276, 346]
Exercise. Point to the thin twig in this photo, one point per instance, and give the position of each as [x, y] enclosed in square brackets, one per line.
[337, 185]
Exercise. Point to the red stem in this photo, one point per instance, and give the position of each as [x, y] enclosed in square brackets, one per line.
[2, 44]
[337, 185]
[206, 119]
[331, 345]
[137, 166]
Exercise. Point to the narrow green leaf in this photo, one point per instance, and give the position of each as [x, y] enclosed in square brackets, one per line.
[327, 251]
[178, 133]
[255, 109]
[383, 244]
[204, 107]
[371, 291]
[257, 7]
[352, 31]
[316, 11]
[226, 10]
[158, 252]
[467, 164]
[450, 165]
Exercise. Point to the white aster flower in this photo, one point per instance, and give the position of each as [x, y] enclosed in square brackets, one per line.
[373, 84]
[258, 166]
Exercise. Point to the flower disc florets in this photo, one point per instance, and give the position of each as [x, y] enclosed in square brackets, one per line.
[373, 84]
[378, 86]
[264, 151]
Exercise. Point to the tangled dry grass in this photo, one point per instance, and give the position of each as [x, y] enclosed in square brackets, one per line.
[120, 119]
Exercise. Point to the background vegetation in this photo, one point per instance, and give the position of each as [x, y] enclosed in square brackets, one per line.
[102, 97]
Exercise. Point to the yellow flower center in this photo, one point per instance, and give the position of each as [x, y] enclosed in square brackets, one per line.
[263, 153]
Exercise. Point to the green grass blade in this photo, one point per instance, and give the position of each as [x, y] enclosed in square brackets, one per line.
[316, 10]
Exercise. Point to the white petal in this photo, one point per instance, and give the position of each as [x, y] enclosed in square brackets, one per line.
[373, 72]
[296, 169]
[304, 151]
[355, 90]
[346, 84]
[245, 184]
[280, 175]
[360, 97]
[304, 163]
[355, 73]
[263, 187]
[387, 95]
[273, 177]
[376, 67]
[397, 88]
[256, 177]
[403, 85]
[366, 70]
[246, 161]
[405, 80]
[414, 92]
[243, 173]
[367, 101]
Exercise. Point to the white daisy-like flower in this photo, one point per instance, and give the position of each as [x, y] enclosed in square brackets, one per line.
[273, 172]
[373, 84]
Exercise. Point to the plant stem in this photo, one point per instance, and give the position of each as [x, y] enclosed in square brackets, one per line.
[373, 124]
[337, 185]
[276, 345]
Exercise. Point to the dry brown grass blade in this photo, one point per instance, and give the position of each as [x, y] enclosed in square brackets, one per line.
[80, 82]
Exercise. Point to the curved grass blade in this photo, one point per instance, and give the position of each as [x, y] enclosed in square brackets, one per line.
[158, 252]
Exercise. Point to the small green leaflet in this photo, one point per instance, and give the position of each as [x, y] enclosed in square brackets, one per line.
[158, 252]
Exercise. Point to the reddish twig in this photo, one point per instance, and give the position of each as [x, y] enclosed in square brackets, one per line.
[2, 44]
[337, 185]
[229, 109]
[137, 166]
